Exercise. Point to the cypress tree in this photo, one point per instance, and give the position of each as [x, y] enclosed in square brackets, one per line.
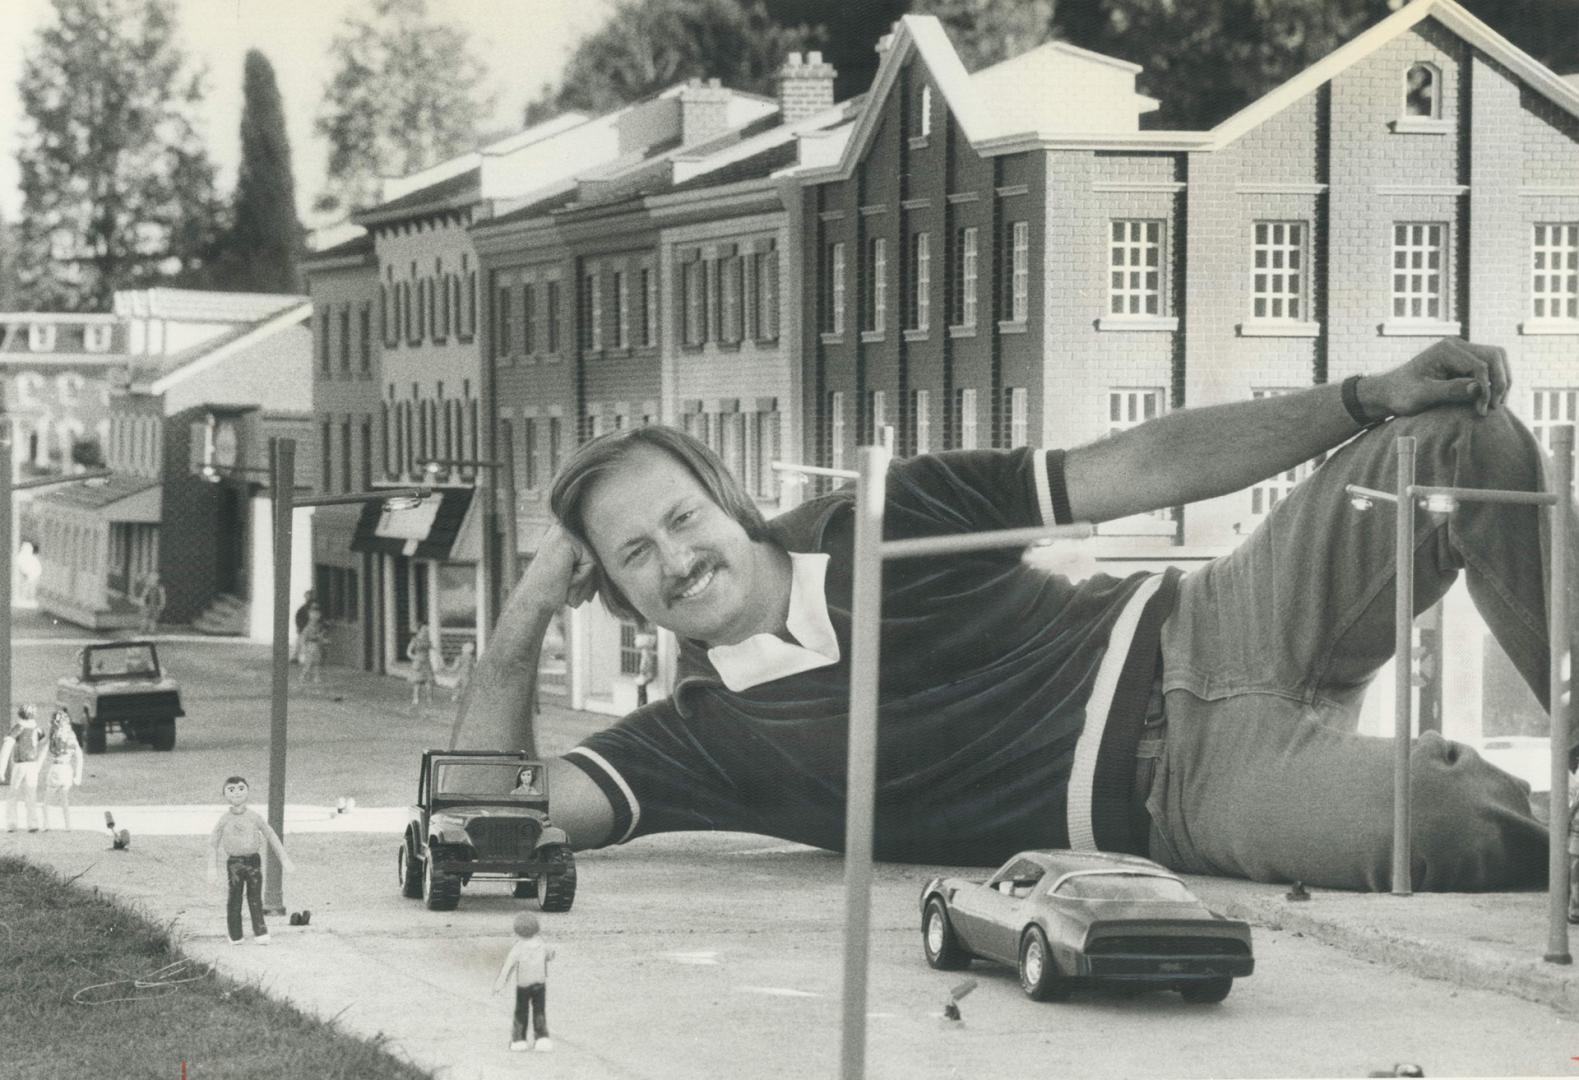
[260, 251]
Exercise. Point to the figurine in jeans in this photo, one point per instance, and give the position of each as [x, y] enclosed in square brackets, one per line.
[528, 958]
[241, 834]
[23, 750]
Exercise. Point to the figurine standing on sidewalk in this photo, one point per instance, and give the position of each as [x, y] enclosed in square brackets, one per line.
[310, 646]
[529, 958]
[420, 652]
[242, 834]
[62, 767]
[23, 750]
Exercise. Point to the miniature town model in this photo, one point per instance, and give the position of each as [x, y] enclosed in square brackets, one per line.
[1070, 920]
[483, 815]
[120, 685]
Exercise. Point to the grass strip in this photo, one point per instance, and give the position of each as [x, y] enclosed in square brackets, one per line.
[62, 945]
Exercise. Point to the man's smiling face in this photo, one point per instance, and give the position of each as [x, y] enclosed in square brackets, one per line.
[680, 560]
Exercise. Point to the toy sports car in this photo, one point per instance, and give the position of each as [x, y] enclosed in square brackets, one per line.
[484, 814]
[1072, 919]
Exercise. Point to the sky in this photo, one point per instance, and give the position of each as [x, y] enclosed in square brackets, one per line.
[524, 43]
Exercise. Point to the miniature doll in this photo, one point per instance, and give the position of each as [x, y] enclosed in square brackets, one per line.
[63, 767]
[23, 750]
[310, 643]
[529, 957]
[420, 652]
[242, 834]
[526, 782]
[465, 664]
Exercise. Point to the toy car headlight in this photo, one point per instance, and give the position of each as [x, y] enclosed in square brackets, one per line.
[449, 829]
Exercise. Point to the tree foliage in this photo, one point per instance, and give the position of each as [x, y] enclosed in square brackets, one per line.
[118, 190]
[648, 45]
[259, 252]
[987, 31]
[405, 94]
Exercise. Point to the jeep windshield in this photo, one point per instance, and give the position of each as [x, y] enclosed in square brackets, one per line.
[126, 661]
[487, 780]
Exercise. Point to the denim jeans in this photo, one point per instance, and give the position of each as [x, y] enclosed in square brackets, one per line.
[1269, 652]
[245, 872]
[531, 1009]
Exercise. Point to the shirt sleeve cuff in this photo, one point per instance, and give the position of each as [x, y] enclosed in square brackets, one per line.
[627, 811]
[1052, 496]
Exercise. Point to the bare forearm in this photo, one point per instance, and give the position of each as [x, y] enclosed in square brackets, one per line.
[1205, 452]
[498, 708]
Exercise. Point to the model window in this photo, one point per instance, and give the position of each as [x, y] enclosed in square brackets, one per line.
[1554, 291]
[874, 297]
[621, 309]
[591, 312]
[836, 429]
[553, 317]
[920, 282]
[730, 290]
[833, 289]
[693, 281]
[504, 332]
[1277, 280]
[1419, 274]
[964, 306]
[1135, 268]
[965, 407]
[529, 319]
[1019, 411]
[766, 284]
[1423, 91]
[925, 127]
[921, 407]
[1019, 270]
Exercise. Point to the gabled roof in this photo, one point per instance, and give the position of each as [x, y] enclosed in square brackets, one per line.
[357, 246]
[452, 193]
[181, 366]
[1541, 79]
[199, 305]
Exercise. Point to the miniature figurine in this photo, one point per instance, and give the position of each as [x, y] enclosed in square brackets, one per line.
[646, 664]
[310, 644]
[300, 619]
[23, 750]
[151, 599]
[529, 958]
[526, 782]
[465, 664]
[242, 834]
[1573, 864]
[420, 652]
[64, 772]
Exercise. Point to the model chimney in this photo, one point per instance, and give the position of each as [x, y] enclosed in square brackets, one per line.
[805, 86]
[704, 111]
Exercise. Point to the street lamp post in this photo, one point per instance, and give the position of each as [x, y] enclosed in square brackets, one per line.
[9, 485]
[502, 578]
[282, 485]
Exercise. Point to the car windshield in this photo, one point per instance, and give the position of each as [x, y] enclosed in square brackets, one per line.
[115, 663]
[1124, 887]
[488, 779]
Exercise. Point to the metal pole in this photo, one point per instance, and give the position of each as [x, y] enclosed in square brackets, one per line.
[861, 779]
[282, 483]
[492, 595]
[1561, 646]
[508, 564]
[1403, 692]
[7, 430]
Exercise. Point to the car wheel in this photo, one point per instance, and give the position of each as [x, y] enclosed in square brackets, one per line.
[525, 890]
[161, 734]
[93, 739]
[556, 885]
[1039, 976]
[409, 870]
[1207, 991]
[942, 945]
[441, 892]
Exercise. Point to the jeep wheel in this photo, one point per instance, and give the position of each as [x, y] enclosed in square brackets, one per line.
[93, 738]
[556, 885]
[409, 872]
[441, 891]
[161, 734]
[525, 890]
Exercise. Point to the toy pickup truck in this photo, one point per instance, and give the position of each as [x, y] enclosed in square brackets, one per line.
[120, 684]
[483, 815]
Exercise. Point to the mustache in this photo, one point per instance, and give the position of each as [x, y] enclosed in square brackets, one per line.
[697, 570]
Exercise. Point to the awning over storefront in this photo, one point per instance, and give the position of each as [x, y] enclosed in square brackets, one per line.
[427, 531]
[119, 498]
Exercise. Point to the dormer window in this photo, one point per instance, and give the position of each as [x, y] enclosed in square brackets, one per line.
[41, 337]
[1423, 92]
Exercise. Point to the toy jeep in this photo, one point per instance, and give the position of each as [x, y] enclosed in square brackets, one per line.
[483, 814]
[120, 684]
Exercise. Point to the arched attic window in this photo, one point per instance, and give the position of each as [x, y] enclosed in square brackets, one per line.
[1423, 91]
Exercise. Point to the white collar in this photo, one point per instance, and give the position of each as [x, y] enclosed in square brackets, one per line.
[764, 657]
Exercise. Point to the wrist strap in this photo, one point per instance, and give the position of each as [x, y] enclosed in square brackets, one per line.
[1351, 402]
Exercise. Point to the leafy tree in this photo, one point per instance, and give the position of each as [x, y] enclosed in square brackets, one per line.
[648, 45]
[405, 94]
[987, 31]
[849, 33]
[10, 293]
[117, 187]
[259, 252]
